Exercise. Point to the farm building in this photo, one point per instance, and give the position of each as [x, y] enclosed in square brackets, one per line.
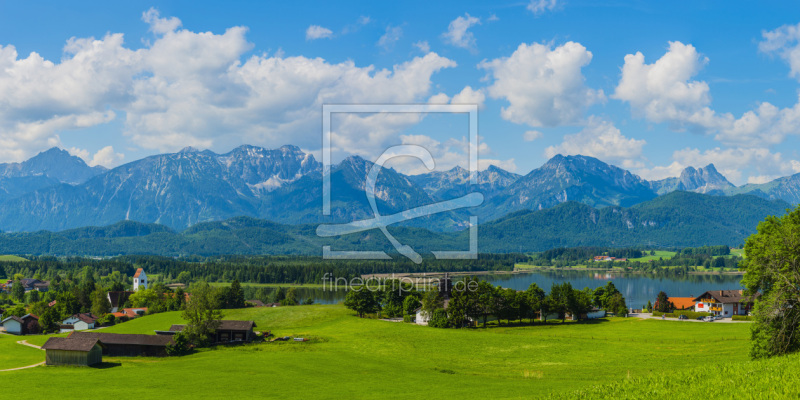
[68, 351]
[128, 345]
[228, 331]
[25, 325]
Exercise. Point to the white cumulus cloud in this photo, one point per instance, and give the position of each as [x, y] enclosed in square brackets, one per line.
[315, 32]
[544, 86]
[538, 7]
[785, 43]
[458, 32]
[602, 140]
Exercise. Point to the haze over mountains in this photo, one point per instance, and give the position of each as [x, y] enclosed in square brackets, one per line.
[56, 191]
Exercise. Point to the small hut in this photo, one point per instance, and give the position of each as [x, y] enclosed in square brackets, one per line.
[66, 351]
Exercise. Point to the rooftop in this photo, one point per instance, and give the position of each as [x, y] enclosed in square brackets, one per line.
[71, 344]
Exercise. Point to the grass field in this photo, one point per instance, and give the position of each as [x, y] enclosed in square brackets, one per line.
[11, 258]
[365, 358]
[659, 254]
[13, 355]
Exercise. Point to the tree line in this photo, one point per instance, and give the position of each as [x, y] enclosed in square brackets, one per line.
[477, 300]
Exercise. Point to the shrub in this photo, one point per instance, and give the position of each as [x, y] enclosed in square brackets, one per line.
[742, 318]
[438, 319]
[408, 318]
[691, 314]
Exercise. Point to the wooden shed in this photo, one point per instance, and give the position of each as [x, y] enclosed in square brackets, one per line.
[228, 331]
[128, 345]
[67, 351]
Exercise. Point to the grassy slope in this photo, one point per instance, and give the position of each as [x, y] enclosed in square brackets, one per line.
[11, 258]
[362, 358]
[768, 379]
[13, 355]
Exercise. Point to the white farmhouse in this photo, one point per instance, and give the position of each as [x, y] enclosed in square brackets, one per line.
[139, 280]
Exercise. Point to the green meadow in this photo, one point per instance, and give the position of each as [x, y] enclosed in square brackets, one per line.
[659, 254]
[11, 258]
[13, 355]
[367, 358]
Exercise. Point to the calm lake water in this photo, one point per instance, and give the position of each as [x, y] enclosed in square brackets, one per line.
[637, 288]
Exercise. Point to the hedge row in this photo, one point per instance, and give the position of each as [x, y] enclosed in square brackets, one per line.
[742, 318]
[688, 313]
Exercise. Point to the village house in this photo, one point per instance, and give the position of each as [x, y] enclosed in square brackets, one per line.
[71, 351]
[118, 299]
[25, 325]
[607, 258]
[130, 313]
[682, 303]
[724, 303]
[30, 284]
[128, 345]
[80, 322]
[422, 317]
[229, 331]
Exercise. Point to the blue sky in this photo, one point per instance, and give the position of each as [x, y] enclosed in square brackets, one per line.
[649, 86]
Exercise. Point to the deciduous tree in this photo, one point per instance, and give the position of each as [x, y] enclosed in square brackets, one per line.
[772, 265]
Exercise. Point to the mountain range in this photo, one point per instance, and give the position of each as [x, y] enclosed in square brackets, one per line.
[57, 191]
[677, 219]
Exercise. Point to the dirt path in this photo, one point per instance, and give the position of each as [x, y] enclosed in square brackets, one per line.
[25, 367]
[25, 343]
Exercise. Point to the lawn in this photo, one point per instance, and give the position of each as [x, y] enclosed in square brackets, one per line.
[11, 258]
[13, 354]
[659, 254]
[365, 358]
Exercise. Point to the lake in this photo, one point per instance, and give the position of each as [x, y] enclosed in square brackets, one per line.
[637, 288]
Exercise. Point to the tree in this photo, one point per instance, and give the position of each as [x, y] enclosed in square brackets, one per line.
[235, 296]
[535, 297]
[17, 291]
[100, 303]
[432, 300]
[280, 294]
[411, 303]
[579, 303]
[144, 298]
[179, 345]
[649, 306]
[772, 268]
[49, 321]
[184, 277]
[361, 300]
[203, 314]
[291, 298]
[559, 297]
[486, 294]
[32, 297]
[662, 303]
[616, 304]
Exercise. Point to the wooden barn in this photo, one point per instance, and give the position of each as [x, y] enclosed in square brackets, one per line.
[128, 345]
[68, 351]
[229, 331]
